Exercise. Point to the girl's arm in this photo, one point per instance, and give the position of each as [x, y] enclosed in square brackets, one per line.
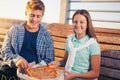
[93, 73]
[59, 63]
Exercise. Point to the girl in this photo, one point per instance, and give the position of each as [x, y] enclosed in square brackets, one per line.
[82, 57]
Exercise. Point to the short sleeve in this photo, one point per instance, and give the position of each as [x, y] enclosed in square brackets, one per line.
[95, 49]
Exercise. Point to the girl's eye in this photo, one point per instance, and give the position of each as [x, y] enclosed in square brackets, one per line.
[75, 22]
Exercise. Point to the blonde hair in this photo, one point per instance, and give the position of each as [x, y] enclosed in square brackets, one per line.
[35, 5]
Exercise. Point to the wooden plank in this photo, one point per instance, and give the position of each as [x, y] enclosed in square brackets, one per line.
[2, 37]
[5, 26]
[59, 45]
[59, 52]
[58, 58]
[110, 72]
[109, 47]
[59, 39]
[107, 30]
[62, 30]
[111, 53]
[107, 34]
[109, 40]
[10, 21]
[3, 31]
[110, 62]
[1, 44]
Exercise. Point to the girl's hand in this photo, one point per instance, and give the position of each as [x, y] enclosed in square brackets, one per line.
[69, 75]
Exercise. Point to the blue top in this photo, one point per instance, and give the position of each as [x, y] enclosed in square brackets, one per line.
[14, 40]
[82, 59]
[28, 50]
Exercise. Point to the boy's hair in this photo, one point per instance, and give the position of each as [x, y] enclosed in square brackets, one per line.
[35, 5]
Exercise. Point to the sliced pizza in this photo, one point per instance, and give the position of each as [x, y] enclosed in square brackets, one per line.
[42, 72]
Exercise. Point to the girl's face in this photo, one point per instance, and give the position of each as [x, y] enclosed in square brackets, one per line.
[80, 24]
[34, 18]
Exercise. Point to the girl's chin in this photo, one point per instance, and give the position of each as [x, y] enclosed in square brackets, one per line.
[78, 32]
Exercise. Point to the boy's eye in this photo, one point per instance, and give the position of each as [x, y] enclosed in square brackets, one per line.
[38, 16]
[31, 15]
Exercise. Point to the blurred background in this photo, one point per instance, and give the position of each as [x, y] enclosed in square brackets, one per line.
[15, 9]
[104, 13]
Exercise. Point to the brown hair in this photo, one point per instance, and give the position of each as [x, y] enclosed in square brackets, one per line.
[90, 30]
[36, 5]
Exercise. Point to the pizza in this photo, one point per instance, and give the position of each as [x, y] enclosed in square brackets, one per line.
[42, 72]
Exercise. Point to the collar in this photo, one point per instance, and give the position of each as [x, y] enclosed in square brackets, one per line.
[82, 40]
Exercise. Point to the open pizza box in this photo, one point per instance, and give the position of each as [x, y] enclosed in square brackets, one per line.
[27, 77]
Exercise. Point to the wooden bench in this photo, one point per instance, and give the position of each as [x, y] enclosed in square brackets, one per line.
[109, 40]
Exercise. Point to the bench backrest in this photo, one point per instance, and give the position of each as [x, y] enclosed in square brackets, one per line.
[109, 40]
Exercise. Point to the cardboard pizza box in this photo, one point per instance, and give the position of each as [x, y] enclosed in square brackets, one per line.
[24, 76]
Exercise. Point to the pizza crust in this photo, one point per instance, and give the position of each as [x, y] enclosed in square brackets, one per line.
[42, 72]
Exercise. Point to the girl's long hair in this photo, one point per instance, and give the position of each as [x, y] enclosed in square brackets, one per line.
[90, 30]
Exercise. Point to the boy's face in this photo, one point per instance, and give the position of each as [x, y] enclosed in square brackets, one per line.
[34, 18]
